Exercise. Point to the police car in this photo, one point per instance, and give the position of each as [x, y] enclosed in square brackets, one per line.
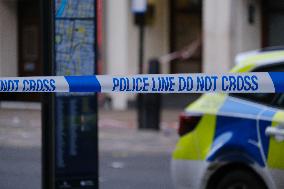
[234, 141]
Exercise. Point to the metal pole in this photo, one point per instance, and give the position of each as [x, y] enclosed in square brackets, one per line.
[47, 153]
[141, 60]
[141, 47]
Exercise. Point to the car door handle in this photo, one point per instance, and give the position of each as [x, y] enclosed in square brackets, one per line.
[277, 132]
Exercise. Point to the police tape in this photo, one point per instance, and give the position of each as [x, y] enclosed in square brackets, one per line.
[263, 82]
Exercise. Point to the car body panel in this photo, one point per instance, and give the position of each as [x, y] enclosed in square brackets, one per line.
[231, 130]
[203, 134]
[197, 144]
[277, 177]
[182, 173]
[220, 111]
[275, 159]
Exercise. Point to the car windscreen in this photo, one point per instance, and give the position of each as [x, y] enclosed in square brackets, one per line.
[264, 98]
[279, 103]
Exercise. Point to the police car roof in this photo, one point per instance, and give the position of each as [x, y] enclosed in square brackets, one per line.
[263, 56]
[275, 48]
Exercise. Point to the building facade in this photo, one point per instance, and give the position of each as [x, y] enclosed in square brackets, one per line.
[223, 27]
[218, 30]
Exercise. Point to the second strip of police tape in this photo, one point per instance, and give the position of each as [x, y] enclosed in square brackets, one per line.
[263, 82]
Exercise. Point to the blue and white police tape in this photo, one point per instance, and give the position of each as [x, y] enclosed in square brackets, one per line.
[266, 82]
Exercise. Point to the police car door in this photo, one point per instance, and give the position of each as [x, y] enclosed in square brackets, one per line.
[275, 156]
[273, 135]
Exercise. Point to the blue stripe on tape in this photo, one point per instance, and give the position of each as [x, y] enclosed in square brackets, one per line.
[83, 83]
[278, 81]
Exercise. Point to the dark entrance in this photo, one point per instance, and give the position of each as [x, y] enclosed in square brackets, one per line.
[273, 23]
[29, 43]
[186, 31]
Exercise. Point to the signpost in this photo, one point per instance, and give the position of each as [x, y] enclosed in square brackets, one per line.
[139, 9]
[71, 128]
[139, 6]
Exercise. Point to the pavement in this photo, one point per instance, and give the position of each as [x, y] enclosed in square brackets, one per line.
[20, 149]
[129, 158]
[135, 159]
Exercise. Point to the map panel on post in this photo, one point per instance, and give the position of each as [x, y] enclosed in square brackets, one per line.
[74, 37]
[75, 9]
[76, 151]
[74, 47]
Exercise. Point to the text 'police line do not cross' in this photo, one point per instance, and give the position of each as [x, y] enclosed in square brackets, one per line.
[263, 82]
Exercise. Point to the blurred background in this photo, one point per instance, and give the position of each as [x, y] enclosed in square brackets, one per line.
[181, 36]
[210, 34]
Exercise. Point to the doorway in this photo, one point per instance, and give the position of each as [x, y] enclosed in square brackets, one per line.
[28, 51]
[185, 35]
[273, 23]
[185, 31]
[29, 42]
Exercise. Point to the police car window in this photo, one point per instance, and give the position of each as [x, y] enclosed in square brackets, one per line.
[280, 101]
[263, 98]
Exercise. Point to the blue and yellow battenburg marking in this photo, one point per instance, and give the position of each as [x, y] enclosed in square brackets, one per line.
[221, 131]
[233, 125]
[169, 83]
